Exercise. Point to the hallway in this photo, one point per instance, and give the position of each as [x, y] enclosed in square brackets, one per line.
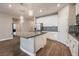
[54, 48]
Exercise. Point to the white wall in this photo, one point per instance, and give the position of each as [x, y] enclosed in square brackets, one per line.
[5, 27]
[48, 20]
[26, 26]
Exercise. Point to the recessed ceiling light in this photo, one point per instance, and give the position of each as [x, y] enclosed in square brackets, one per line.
[58, 5]
[30, 13]
[10, 5]
[40, 10]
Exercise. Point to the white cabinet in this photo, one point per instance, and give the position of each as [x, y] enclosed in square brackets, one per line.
[40, 42]
[63, 25]
[74, 48]
[73, 45]
[33, 44]
[44, 39]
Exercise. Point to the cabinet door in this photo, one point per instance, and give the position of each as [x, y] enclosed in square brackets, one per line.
[62, 31]
[63, 25]
[44, 40]
[70, 43]
[36, 44]
[75, 48]
[40, 41]
[73, 45]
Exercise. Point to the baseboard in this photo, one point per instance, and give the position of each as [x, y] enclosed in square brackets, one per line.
[6, 39]
[27, 52]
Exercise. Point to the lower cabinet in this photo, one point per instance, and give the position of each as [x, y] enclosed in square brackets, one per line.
[73, 45]
[40, 42]
[71, 42]
[74, 48]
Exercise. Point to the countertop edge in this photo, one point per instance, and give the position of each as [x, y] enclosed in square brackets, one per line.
[32, 35]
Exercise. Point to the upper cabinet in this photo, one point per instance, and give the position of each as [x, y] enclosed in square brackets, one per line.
[72, 14]
[77, 19]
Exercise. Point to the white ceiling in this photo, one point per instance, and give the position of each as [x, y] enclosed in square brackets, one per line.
[18, 9]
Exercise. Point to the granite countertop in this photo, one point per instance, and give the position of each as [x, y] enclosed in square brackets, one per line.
[31, 34]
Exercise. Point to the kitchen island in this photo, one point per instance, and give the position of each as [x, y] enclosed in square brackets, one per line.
[31, 42]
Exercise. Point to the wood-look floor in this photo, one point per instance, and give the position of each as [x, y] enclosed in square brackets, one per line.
[54, 48]
[11, 47]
